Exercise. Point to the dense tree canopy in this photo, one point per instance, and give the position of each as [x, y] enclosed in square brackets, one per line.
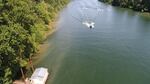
[138, 5]
[22, 27]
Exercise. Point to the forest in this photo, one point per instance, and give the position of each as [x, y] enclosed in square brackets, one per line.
[137, 5]
[23, 24]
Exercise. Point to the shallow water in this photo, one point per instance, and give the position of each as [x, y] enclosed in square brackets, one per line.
[116, 51]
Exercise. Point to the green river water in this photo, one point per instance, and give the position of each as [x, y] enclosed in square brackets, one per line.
[116, 51]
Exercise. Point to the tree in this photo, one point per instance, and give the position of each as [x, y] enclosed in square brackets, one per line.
[23, 24]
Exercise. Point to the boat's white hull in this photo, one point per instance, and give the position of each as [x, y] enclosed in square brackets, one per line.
[89, 24]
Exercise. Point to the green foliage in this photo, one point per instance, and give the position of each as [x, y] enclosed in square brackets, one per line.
[38, 30]
[23, 62]
[23, 24]
[41, 10]
[7, 75]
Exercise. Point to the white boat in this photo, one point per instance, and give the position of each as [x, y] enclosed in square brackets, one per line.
[89, 24]
[39, 76]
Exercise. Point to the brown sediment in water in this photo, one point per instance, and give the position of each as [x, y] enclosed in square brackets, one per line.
[42, 48]
[145, 14]
[40, 54]
[51, 29]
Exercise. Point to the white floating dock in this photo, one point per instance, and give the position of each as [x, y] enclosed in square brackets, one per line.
[39, 76]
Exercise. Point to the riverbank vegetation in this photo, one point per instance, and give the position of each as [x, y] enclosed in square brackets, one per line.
[137, 5]
[23, 24]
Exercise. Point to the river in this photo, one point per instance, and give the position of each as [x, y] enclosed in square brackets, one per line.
[116, 51]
